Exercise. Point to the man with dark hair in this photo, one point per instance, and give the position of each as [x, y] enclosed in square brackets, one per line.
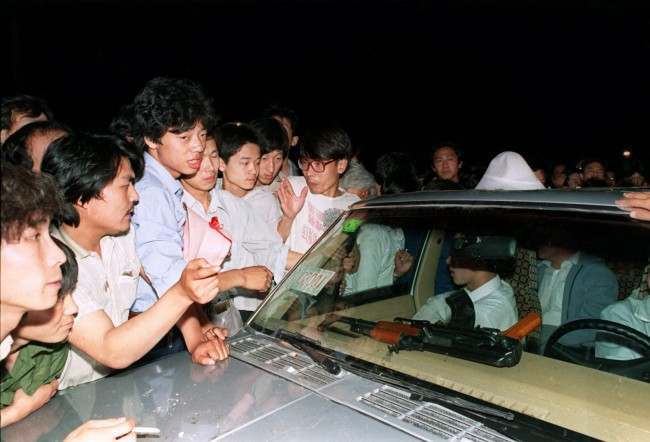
[289, 119]
[30, 262]
[274, 146]
[485, 299]
[31, 279]
[572, 284]
[310, 204]
[446, 162]
[169, 120]
[395, 173]
[593, 168]
[15, 112]
[97, 174]
[28, 144]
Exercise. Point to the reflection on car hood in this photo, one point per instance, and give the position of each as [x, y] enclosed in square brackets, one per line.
[265, 391]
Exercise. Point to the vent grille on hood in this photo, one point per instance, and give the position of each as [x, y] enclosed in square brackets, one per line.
[282, 361]
[429, 417]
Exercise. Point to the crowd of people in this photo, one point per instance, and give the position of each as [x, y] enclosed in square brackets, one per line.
[165, 233]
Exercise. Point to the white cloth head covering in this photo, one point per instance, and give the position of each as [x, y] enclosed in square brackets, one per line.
[509, 171]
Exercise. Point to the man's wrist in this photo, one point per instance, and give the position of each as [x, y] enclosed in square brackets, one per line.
[178, 291]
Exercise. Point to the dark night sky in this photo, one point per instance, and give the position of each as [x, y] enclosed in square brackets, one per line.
[547, 78]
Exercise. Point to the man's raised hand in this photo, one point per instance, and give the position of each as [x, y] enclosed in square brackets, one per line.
[290, 203]
[200, 281]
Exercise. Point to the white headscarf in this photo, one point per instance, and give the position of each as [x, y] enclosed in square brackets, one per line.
[509, 171]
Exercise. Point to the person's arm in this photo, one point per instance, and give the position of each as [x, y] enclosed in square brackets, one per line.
[24, 404]
[119, 347]
[637, 203]
[597, 287]
[158, 239]
[104, 430]
[290, 204]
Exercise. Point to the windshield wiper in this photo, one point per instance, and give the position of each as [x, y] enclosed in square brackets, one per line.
[308, 347]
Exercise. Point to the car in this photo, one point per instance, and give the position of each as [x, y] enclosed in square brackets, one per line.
[324, 357]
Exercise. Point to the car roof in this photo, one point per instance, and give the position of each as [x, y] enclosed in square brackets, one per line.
[591, 200]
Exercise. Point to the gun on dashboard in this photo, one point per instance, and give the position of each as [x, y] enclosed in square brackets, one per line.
[483, 345]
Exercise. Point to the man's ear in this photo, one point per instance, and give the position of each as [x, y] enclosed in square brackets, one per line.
[222, 165]
[294, 140]
[4, 134]
[150, 143]
[341, 166]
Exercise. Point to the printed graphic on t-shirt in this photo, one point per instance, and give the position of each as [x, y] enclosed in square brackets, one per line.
[317, 222]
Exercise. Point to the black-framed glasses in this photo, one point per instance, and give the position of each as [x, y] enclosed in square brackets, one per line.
[318, 166]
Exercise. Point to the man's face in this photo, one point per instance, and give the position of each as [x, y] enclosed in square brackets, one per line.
[110, 213]
[460, 276]
[325, 182]
[54, 324]
[38, 145]
[446, 164]
[595, 170]
[19, 120]
[270, 165]
[180, 153]
[241, 170]
[206, 178]
[293, 139]
[31, 273]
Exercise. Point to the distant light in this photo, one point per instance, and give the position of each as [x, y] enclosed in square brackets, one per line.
[627, 153]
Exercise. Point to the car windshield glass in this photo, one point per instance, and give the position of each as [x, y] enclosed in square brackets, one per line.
[459, 268]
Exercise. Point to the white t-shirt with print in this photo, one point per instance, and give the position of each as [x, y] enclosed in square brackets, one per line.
[316, 216]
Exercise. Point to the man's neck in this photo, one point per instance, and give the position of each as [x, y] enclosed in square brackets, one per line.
[480, 278]
[235, 190]
[202, 196]
[86, 237]
[561, 256]
[10, 317]
[333, 191]
[154, 154]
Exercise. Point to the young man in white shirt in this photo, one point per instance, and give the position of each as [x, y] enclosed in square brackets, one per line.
[310, 204]
[97, 175]
[274, 145]
[259, 244]
[485, 300]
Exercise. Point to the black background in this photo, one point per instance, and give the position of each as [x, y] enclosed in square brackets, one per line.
[545, 78]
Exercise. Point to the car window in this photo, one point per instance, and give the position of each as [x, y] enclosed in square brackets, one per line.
[586, 276]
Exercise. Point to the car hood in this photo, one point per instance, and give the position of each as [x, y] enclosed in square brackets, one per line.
[264, 391]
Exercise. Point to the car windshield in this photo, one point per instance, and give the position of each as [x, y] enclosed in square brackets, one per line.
[462, 267]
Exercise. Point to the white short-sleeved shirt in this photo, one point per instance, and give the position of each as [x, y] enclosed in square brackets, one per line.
[316, 216]
[107, 282]
[265, 205]
[494, 306]
[377, 245]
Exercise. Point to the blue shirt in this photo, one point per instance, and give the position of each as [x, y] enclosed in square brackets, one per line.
[158, 224]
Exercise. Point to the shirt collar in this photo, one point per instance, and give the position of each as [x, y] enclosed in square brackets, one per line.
[76, 248]
[153, 167]
[566, 263]
[485, 289]
[105, 244]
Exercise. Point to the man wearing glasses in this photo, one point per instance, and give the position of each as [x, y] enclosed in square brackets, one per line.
[311, 203]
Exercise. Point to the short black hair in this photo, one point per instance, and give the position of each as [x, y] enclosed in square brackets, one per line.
[83, 164]
[396, 173]
[281, 111]
[327, 141]
[231, 137]
[272, 135]
[69, 269]
[587, 161]
[448, 144]
[16, 147]
[22, 104]
[28, 199]
[164, 104]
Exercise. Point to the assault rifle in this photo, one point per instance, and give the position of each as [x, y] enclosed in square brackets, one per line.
[484, 345]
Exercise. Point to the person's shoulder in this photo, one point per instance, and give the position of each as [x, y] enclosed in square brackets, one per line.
[619, 311]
